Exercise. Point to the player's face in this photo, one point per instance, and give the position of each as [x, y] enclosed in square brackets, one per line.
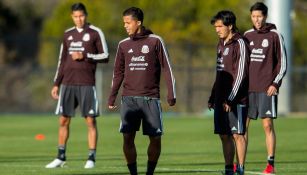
[131, 25]
[258, 19]
[79, 18]
[222, 31]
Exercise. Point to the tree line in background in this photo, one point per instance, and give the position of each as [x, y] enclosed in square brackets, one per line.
[31, 32]
[181, 23]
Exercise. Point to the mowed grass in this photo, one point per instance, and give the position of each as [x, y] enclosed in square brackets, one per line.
[189, 147]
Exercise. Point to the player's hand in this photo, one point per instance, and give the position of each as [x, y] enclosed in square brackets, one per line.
[171, 102]
[210, 106]
[227, 108]
[77, 56]
[271, 91]
[55, 92]
[112, 107]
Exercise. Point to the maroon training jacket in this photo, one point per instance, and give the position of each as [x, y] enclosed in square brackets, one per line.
[231, 83]
[138, 64]
[268, 59]
[91, 42]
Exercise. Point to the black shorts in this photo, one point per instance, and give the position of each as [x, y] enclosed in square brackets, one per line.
[135, 110]
[233, 122]
[261, 105]
[70, 97]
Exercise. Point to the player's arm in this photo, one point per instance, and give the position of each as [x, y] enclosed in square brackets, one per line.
[118, 77]
[103, 54]
[211, 98]
[240, 72]
[59, 75]
[281, 66]
[167, 72]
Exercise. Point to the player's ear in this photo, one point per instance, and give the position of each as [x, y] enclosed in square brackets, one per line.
[139, 23]
[230, 27]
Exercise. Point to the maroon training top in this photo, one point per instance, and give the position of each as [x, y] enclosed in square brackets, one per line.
[268, 59]
[91, 42]
[138, 64]
[231, 83]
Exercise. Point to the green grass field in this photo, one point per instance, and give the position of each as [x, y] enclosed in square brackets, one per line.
[189, 147]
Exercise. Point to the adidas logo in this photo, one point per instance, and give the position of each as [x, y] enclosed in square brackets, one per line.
[251, 43]
[268, 112]
[130, 51]
[233, 128]
[158, 130]
[91, 111]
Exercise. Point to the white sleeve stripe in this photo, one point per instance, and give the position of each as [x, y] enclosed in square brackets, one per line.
[59, 63]
[167, 59]
[105, 53]
[239, 77]
[283, 58]
[112, 83]
[240, 71]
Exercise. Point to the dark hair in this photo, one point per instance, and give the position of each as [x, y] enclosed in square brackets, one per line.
[227, 17]
[78, 7]
[135, 12]
[261, 7]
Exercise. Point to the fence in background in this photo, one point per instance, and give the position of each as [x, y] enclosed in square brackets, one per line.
[27, 89]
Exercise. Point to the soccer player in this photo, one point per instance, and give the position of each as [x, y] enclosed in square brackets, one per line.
[230, 90]
[267, 68]
[74, 85]
[139, 60]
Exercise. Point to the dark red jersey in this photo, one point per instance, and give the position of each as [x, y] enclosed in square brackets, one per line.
[231, 83]
[268, 59]
[91, 42]
[138, 64]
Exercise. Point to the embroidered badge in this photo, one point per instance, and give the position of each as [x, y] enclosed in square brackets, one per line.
[145, 49]
[86, 37]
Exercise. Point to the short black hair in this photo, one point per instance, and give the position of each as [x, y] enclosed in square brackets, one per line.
[261, 7]
[78, 7]
[227, 17]
[135, 12]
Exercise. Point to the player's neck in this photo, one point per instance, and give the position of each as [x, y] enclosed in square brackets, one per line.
[79, 29]
[228, 38]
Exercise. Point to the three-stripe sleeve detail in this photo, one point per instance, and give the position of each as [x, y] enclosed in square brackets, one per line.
[283, 64]
[104, 46]
[59, 63]
[240, 72]
[168, 62]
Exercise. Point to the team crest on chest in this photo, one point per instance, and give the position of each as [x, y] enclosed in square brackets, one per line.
[226, 51]
[86, 37]
[145, 49]
[265, 43]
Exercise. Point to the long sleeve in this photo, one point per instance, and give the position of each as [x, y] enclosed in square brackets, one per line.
[118, 75]
[281, 58]
[241, 69]
[60, 68]
[167, 72]
[212, 96]
[102, 55]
